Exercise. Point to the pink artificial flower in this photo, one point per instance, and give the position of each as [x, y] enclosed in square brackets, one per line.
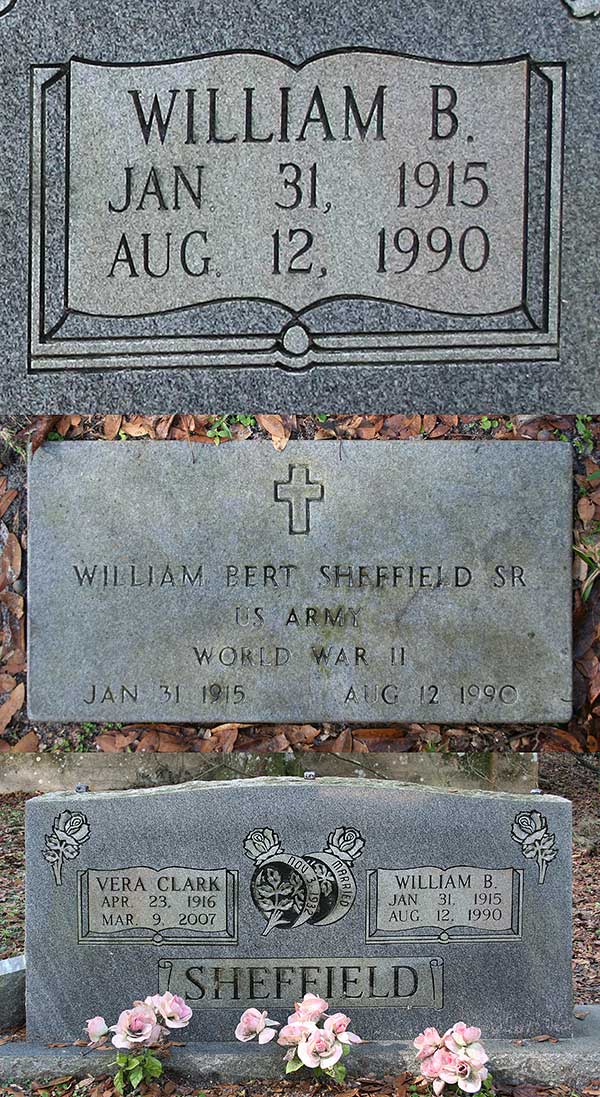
[291, 1034]
[254, 1023]
[457, 1071]
[311, 1008]
[320, 1049]
[427, 1043]
[464, 1034]
[470, 1077]
[338, 1023]
[96, 1028]
[432, 1066]
[136, 1026]
[463, 1040]
[172, 1009]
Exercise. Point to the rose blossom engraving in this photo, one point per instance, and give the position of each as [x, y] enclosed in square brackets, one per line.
[69, 831]
[530, 831]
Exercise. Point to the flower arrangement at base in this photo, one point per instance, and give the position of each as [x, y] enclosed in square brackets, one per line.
[312, 1039]
[138, 1034]
[453, 1063]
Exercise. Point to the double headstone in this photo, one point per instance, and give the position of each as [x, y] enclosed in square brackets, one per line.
[402, 906]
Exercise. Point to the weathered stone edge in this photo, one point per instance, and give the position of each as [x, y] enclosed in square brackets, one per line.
[573, 1062]
[290, 782]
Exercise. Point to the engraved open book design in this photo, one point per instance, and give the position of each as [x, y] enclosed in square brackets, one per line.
[235, 209]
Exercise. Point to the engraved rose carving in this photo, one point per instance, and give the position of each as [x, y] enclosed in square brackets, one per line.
[69, 831]
[346, 842]
[262, 844]
[530, 831]
[583, 9]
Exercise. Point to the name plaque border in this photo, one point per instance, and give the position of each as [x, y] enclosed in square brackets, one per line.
[378, 936]
[434, 965]
[297, 346]
[146, 936]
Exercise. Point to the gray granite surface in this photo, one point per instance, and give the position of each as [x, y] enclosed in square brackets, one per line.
[405, 906]
[454, 307]
[330, 582]
[12, 993]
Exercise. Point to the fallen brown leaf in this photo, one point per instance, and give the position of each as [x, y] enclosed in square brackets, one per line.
[11, 706]
[585, 509]
[6, 500]
[10, 562]
[112, 424]
[278, 426]
[13, 602]
[222, 739]
[27, 745]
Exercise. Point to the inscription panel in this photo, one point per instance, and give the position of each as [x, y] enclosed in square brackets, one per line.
[394, 582]
[454, 167]
[429, 903]
[180, 905]
[389, 207]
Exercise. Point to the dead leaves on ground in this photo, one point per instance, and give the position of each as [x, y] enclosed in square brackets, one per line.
[401, 1086]
[12, 609]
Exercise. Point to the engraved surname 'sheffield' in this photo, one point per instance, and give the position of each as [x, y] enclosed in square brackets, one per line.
[368, 982]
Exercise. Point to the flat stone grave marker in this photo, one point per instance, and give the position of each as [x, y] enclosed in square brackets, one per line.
[266, 204]
[332, 582]
[403, 906]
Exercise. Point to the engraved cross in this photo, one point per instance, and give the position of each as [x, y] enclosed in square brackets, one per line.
[299, 491]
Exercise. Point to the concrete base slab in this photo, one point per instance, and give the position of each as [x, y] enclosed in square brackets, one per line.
[574, 1062]
[61, 771]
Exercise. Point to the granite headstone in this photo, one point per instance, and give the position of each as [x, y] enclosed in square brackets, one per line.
[344, 582]
[402, 906]
[331, 207]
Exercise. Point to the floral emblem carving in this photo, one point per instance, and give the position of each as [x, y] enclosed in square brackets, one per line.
[530, 831]
[69, 831]
[316, 888]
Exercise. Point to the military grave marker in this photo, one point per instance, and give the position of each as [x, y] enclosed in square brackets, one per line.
[331, 582]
